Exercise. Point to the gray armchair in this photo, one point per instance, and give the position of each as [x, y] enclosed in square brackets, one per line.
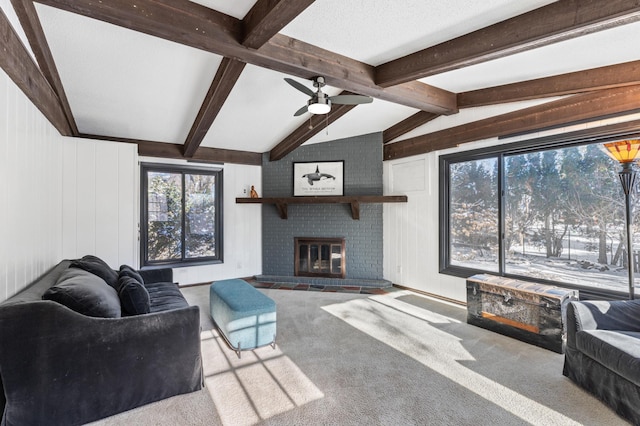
[603, 352]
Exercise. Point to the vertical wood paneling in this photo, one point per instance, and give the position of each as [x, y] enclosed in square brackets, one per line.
[69, 199]
[86, 198]
[4, 199]
[128, 205]
[412, 228]
[100, 204]
[13, 264]
[106, 202]
[30, 191]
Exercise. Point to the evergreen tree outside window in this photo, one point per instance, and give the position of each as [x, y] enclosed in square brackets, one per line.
[553, 215]
[473, 214]
[181, 215]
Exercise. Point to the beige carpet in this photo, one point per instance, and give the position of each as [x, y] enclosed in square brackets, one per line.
[396, 359]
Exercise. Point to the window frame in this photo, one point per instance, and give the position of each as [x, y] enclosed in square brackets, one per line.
[619, 131]
[145, 168]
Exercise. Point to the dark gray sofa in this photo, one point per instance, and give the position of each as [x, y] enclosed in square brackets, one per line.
[62, 367]
[603, 352]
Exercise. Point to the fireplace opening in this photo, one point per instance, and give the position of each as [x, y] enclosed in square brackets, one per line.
[319, 257]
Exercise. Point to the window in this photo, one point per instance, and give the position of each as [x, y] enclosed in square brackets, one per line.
[553, 212]
[181, 215]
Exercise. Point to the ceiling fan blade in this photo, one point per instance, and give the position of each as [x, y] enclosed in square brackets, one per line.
[301, 87]
[301, 111]
[350, 99]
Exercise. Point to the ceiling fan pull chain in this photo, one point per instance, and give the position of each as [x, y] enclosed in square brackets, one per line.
[326, 121]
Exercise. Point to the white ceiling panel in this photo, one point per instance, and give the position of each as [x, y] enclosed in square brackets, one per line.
[363, 119]
[124, 83]
[377, 31]
[259, 111]
[236, 8]
[599, 49]
[469, 115]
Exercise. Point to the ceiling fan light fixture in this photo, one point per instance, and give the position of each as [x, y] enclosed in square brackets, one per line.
[319, 108]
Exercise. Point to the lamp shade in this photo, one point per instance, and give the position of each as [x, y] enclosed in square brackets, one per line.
[623, 151]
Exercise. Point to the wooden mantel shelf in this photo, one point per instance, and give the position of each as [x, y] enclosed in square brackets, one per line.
[281, 203]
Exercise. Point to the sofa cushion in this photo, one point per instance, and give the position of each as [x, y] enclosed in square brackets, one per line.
[618, 351]
[85, 293]
[98, 267]
[134, 297]
[128, 271]
[165, 296]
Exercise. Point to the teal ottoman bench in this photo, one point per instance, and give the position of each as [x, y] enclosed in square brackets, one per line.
[245, 317]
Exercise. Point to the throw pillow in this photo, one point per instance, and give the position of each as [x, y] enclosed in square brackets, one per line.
[134, 297]
[98, 267]
[85, 293]
[128, 271]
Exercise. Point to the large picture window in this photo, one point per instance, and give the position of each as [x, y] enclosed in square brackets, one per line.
[181, 215]
[555, 215]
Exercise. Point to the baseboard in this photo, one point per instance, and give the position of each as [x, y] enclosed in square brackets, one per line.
[432, 295]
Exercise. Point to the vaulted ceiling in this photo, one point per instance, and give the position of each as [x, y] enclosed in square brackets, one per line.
[204, 79]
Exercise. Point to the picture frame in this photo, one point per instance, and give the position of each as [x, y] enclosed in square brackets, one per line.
[318, 178]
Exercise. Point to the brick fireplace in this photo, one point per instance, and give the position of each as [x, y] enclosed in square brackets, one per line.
[363, 249]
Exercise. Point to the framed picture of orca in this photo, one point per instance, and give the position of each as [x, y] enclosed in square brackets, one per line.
[318, 178]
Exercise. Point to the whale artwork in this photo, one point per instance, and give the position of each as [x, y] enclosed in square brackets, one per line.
[313, 177]
[318, 178]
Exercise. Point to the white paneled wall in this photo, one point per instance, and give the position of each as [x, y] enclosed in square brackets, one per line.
[30, 191]
[100, 201]
[62, 198]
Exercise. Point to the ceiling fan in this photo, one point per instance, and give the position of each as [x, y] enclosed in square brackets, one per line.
[320, 103]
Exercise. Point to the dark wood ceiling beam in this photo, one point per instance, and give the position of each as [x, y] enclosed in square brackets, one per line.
[306, 131]
[625, 74]
[576, 108]
[171, 150]
[225, 79]
[263, 21]
[561, 20]
[188, 23]
[407, 125]
[295, 57]
[40, 47]
[181, 21]
[267, 17]
[619, 75]
[16, 61]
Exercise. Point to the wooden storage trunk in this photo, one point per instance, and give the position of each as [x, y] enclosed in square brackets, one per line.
[531, 312]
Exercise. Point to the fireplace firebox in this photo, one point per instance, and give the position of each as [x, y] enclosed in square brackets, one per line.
[319, 257]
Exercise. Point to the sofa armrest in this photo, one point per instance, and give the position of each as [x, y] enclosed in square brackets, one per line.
[162, 275]
[61, 367]
[602, 315]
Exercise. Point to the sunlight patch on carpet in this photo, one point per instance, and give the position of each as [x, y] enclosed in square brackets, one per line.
[412, 331]
[261, 384]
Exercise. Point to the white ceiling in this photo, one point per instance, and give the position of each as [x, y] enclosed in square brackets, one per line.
[126, 84]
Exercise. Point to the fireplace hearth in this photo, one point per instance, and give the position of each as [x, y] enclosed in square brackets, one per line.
[319, 257]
